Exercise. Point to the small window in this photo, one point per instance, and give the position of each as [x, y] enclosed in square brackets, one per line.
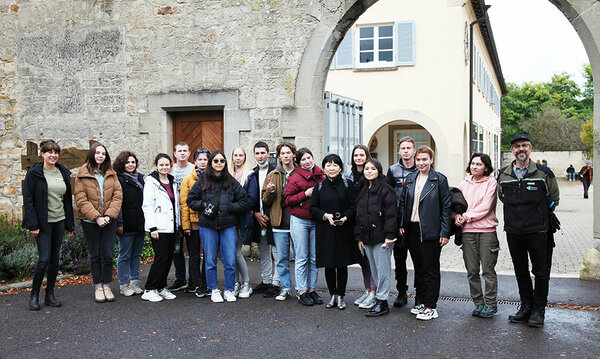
[376, 45]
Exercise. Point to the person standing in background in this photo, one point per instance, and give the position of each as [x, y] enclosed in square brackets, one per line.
[587, 175]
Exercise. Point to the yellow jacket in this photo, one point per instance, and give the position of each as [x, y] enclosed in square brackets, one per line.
[187, 215]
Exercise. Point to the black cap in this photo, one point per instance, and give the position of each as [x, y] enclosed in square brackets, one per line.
[519, 137]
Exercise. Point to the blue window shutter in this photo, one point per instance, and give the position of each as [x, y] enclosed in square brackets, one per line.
[345, 53]
[405, 43]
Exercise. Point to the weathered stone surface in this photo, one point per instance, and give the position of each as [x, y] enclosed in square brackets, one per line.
[590, 269]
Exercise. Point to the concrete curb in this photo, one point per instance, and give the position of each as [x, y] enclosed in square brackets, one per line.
[28, 283]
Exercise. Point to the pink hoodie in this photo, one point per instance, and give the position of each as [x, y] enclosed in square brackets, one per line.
[481, 197]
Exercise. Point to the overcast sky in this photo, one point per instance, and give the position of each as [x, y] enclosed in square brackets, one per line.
[535, 40]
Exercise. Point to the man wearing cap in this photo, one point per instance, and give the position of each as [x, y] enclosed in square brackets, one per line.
[529, 192]
[586, 174]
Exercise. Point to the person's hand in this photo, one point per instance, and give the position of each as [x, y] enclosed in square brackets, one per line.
[187, 231]
[342, 221]
[102, 221]
[329, 217]
[271, 185]
[401, 231]
[361, 247]
[443, 241]
[154, 234]
[309, 192]
[262, 219]
[70, 234]
[459, 220]
[35, 232]
[389, 242]
[119, 230]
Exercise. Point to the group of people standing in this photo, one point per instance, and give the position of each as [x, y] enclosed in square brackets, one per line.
[331, 218]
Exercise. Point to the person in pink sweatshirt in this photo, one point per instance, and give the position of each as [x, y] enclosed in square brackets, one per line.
[480, 242]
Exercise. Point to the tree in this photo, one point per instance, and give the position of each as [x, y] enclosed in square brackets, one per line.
[587, 136]
[587, 92]
[551, 130]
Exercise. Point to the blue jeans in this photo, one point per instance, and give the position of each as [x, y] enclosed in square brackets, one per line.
[282, 243]
[130, 250]
[303, 237]
[223, 241]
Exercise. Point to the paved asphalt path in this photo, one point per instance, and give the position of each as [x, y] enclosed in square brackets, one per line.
[258, 327]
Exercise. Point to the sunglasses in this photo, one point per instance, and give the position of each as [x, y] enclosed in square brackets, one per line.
[203, 150]
[217, 160]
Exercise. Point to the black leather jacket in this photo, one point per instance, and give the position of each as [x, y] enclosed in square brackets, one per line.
[434, 206]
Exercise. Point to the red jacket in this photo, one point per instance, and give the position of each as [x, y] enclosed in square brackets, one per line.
[299, 182]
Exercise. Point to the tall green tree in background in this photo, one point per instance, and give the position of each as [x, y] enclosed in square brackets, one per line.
[568, 108]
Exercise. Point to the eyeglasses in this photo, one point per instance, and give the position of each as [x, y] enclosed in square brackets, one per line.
[217, 160]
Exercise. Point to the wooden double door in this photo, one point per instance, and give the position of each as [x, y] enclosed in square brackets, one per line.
[200, 129]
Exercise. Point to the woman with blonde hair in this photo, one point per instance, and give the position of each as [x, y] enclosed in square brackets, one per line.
[239, 170]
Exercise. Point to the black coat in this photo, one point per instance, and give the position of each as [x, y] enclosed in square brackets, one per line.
[434, 205]
[376, 213]
[229, 202]
[35, 199]
[131, 217]
[335, 246]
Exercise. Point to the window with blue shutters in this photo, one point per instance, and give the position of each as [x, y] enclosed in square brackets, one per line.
[375, 46]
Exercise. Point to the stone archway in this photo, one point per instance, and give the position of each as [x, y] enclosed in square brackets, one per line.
[330, 30]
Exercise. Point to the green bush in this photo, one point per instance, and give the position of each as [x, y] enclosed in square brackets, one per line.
[20, 263]
[148, 251]
[74, 253]
[16, 250]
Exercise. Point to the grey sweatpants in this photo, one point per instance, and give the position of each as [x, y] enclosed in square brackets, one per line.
[380, 261]
[481, 248]
[268, 254]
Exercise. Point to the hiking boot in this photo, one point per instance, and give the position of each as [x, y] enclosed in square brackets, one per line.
[487, 312]
[536, 320]
[401, 300]
[477, 310]
[522, 314]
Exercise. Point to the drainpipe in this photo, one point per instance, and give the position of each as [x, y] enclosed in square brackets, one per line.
[477, 21]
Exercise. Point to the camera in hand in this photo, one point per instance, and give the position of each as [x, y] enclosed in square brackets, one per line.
[337, 218]
[209, 211]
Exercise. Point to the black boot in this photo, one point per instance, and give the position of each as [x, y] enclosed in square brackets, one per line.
[380, 308]
[34, 300]
[50, 299]
[401, 300]
[522, 314]
[537, 317]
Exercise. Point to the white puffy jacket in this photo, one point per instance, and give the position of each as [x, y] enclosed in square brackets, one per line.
[157, 206]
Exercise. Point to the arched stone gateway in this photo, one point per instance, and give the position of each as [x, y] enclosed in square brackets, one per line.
[121, 71]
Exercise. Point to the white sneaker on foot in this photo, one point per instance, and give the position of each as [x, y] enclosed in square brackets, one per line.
[229, 296]
[369, 302]
[285, 294]
[135, 286]
[126, 290]
[428, 314]
[152, 296]
[418, 309]
[236, 290]
[166, 294]
[362, 298]
[216, 296]
[245, 291]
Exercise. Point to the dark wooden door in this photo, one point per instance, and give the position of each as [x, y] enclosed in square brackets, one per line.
[200, 129]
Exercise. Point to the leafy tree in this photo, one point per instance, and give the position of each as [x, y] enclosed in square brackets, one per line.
[587, 136]
[551, 130]
[588, 90]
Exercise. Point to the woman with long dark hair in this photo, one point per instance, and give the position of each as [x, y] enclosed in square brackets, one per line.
[219, 200]
[298, 191]
[47, 213]
[480, 241]
[333, 206]
[98, 197]
[360, 156]
[425, 218]
[130, 225]
[161, 214]
[375, 231]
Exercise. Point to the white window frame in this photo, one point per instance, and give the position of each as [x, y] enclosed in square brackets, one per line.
[376, 62]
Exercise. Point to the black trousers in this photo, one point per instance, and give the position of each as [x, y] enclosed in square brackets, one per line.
[534, 247]
[426, 259]
[400, 255]
[586, 185]
[336, 279]
[163, 255]
[197, 272]
[48, 244]
[101, 241]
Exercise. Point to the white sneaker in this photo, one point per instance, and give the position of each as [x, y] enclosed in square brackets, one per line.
[236, 290]
[166, 294]
[285, 294]
[135, 286]
[362, 298]
[428, 314]
[245, 291]
[418, 309]
[230, 296]
[152, 296]
[216, 296]
[126, 290]
[369, 302]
